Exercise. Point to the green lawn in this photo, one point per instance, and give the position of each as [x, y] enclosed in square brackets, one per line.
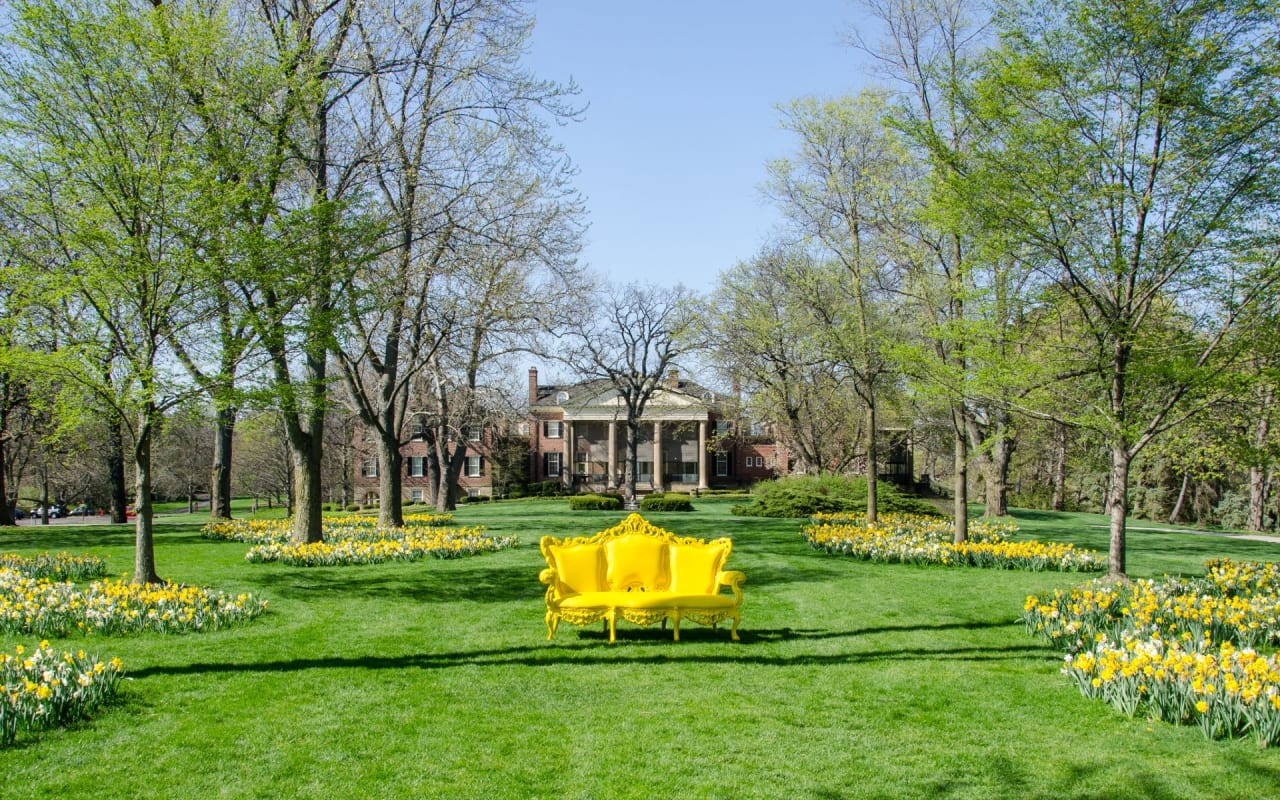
[435, 679]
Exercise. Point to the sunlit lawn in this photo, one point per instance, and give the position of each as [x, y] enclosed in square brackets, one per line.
[435, 679]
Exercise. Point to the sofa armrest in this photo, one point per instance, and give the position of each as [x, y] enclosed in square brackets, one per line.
[731, 578]
[548, 575]
[734, 580]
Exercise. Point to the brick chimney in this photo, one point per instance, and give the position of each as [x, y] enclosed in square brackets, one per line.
[533, 385]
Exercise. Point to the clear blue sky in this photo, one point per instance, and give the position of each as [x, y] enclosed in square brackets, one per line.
[682, 120]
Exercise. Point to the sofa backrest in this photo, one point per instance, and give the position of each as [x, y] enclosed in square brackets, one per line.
[578, 565]
[693, 565]
[637, 562]
[636, 555]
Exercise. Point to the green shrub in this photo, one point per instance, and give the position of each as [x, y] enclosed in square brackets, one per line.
[546, 489]
[353, 507]
[666, 502]
[326, 507]
[1233, 511]
[806, 495]
[595, 502]
[405, 503]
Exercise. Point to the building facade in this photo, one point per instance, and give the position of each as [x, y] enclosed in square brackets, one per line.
[576, 435]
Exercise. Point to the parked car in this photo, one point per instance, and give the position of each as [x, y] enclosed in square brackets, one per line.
[19, 513]
[81, 510]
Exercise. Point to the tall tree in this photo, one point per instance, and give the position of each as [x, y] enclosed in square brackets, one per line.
[1131, 147]
[925, 47]
[100, 173]
[841, 192]
[455, 127]
[761, 333]
[635, 337]
[313, 237]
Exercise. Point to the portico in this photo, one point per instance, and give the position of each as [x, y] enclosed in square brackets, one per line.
[671, 446]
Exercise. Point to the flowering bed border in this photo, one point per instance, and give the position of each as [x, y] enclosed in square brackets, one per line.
[1179, 650]
[351, 541]
[917, 539]
[46, 689]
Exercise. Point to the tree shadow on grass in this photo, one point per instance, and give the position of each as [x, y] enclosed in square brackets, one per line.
[483, 582]
[647, 646]
[65, 537]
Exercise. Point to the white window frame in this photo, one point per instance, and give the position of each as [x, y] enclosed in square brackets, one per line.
[549, 425]
[475, 432]
[474, 466]
[369, 468]
[417, 495]
[417, 466]
[554, 465]
[722, 465]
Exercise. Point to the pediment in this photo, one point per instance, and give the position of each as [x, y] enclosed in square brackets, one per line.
[611, 398]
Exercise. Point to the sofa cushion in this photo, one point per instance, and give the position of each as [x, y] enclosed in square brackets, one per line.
[646, 600]
[694, 567]
[636, 561]
[579, 567]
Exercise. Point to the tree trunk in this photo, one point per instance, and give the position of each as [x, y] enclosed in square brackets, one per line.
[433, 475]
[44, 495]
[6, 507]
[997, 477]
[390, 468]
[961, 476]
[115, 469]
[633, 462]
[1118, 506]
[1258, 482]
[872, 446]
[220, 480]
[449, 477]
[144, 557]
[1182, 496]
[1059, 500]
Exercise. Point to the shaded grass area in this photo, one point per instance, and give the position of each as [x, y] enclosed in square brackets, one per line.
[435, 679]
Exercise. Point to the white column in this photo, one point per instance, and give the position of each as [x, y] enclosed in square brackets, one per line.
[569, 452]
[702, 455]
[611, 480]
[657, 456]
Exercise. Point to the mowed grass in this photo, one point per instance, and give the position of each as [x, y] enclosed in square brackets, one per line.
[435, 679]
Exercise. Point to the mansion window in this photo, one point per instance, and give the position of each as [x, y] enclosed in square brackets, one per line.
[722, 465]
[417, 466]
[474, 467]
[553, 464]
[417, 495]
[474, 432]
[369, 468]
[553, 429]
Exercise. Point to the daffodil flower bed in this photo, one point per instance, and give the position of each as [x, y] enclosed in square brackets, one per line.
[405, 545]
[60, 567]
[352, 540]
[1177, 649]
[44, 607]
[916, 539]
[44, 689]
[348, 527]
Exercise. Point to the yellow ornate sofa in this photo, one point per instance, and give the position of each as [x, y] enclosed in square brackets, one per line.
[642, 574]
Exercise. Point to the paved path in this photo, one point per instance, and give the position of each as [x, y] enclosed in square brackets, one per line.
[1254, 537]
